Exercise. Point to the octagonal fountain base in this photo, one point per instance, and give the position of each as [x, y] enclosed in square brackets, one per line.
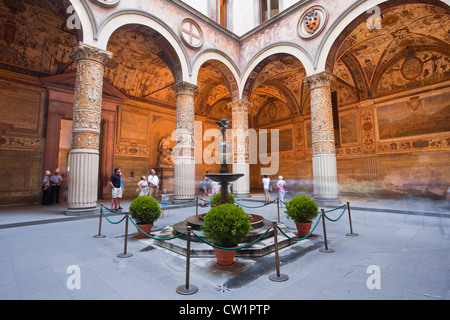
[200, 249]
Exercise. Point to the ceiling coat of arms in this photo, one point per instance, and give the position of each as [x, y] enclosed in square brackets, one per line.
[312, 22]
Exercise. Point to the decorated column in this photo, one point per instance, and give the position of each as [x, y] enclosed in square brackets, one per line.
[240, 136]
[84, 154]
[323, 144]
[184, 169]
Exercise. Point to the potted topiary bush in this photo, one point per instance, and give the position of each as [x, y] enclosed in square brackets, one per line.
[145, 211]
[226, 225]
[302, 210]
[216, 199]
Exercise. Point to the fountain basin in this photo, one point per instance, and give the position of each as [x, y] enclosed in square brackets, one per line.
[224, 177]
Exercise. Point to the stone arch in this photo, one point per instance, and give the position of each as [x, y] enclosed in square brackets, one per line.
[87, 20]
[228, 69]
[360, 11]
[279, 48]
[115, 20]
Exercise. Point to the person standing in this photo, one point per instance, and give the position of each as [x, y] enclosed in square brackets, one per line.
[55, 186]
[203, 187]
[46, 188]
[121, 190]
[164, 199]
[281, 190]
[153, 184]
[143, 186]
[114, 183]
[266, 186]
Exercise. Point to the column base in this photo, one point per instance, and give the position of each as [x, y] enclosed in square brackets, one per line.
[242, 195]
[79, 212]
[327, 202]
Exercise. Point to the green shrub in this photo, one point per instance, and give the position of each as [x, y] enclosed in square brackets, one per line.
[145, 210]
[226, 225]
[301, 209]
[216, 198]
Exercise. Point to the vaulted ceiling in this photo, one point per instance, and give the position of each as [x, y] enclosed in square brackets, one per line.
[410, 47]
[417, 33]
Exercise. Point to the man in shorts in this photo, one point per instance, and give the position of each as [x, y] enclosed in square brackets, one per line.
[114, 182]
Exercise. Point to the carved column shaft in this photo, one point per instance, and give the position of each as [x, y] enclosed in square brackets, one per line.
[184, 162]
[323, 144]
[239, 121]
[84, 157]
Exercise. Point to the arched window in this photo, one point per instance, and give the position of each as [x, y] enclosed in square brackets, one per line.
[269, 8]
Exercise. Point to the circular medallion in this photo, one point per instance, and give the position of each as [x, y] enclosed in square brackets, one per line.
[191, 33]
[312, 22]
[412, 68]
[106, 3]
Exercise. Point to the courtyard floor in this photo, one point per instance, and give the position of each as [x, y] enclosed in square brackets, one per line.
[402, 252]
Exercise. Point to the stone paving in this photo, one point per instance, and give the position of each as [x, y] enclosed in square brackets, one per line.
[402, 252]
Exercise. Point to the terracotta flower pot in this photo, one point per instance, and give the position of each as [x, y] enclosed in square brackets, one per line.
[303, 228]
[146, 228]
[225, 258]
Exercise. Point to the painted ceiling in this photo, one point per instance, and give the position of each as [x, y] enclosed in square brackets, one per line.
[374, 48]
[411, 47]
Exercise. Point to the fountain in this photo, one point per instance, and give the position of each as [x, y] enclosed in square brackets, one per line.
[258, 223]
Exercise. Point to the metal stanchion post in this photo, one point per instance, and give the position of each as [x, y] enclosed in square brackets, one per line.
[125, 254]
[278, 208]
[100, 235]
[351, 234]
[196, 206]
[186, 289]
[326, 249]
[278, 277]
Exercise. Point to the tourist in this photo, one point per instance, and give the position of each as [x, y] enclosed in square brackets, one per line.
[266, 186]
[119, 199]
[55, 186]
[153, 184]
[215, 188]
[281, 190]
[143, 186]
[204, 190]
[114, 183]
[164, 199]
[46, 188]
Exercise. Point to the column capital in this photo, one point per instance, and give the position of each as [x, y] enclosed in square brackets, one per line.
[322, 79]
[84, 51]
[184, 87]
[240, 104]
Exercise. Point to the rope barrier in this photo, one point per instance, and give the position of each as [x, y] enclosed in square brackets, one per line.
[178, 203]
[266, 204]
[300, 239]
[155, 238]
[110, 220]
[334, 220]
[236, 248]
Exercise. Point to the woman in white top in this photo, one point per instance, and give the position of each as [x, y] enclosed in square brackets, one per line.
[281, 189]
[143, 186]
[266, 185]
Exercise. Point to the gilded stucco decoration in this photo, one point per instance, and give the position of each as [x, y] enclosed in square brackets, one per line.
[184, 127]
[88, 96]
[321, 113]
